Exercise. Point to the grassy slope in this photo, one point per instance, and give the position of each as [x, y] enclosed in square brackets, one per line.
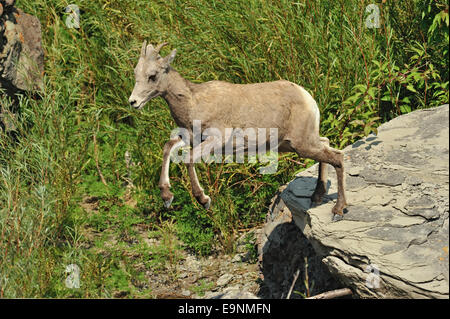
[53, 205]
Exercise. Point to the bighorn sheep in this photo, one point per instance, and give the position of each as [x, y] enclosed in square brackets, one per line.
[279, 104]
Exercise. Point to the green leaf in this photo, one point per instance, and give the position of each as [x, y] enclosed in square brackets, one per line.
[357, 122]
[411, 88]
[386, 98]
[404, 108]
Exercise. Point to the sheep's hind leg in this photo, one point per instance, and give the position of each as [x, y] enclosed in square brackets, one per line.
[201, 151]
[197, 190]
[338, 209]
[325, 154]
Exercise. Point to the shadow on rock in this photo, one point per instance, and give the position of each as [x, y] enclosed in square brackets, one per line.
[283, 251]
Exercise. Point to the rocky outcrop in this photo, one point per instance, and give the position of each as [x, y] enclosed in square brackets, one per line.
[393, 241]
[21, 59]
[21, 54]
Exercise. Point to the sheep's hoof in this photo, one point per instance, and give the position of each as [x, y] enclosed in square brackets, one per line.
[208, 203]
[166, 195]
[338, 211]
[337, 217]
[168, 202]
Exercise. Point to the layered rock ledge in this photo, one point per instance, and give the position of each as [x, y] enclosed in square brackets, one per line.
[393, 241]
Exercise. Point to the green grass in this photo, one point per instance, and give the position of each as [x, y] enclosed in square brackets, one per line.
[202, 287]
[81, 126]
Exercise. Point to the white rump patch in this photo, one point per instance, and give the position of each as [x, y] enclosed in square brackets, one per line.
[312, 104]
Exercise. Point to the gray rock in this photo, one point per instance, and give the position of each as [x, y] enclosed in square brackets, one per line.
[239, 258]
[393, 241]
[224, 280]
[186, 293]
[192, 264]
[183, 275]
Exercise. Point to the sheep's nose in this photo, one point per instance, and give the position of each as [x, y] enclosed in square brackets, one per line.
[132, 102]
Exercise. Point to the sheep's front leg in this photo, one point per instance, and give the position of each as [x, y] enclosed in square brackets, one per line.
[164, 181]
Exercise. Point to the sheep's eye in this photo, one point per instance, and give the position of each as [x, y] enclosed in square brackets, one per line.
[152, 77]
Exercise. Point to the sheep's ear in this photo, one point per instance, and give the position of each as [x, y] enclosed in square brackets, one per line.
[143, 49]
[168, 59]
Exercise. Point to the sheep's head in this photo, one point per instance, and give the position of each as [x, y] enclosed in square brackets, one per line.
[150, 75]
